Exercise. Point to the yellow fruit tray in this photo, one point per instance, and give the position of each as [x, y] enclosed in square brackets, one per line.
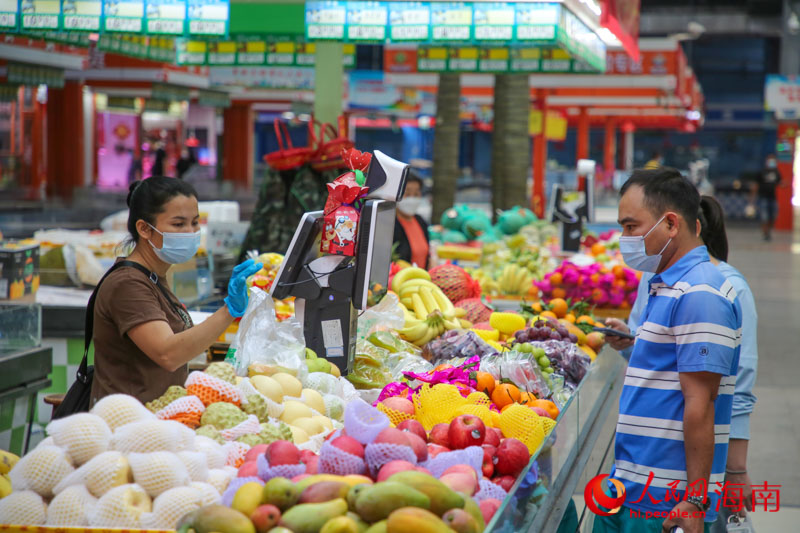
[55, 529]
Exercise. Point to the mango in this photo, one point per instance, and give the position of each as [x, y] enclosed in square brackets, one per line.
[472, 507]
[247, 498]
[408, 519]
[280, 492]
[310, 517]
[377, 527]
[378, 501]
[216, 518]
[340, 524]
[461, 521]
[442, 497]
[362, 526]
[354, 493]
[324, 491]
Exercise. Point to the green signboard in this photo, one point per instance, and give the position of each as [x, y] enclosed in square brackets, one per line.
[254, 51]
[496, 60]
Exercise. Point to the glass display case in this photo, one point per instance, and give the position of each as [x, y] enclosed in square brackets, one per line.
[537, 500]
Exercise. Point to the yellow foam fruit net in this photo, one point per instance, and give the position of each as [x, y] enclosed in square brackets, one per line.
[521, 423]
[437, 405]
[395, 417]
[479, 398]
[481, 411]
[547, 425]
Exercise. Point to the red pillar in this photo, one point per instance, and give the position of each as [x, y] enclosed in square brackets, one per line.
[539, 161]
[787, 132]
[582, 151]
[237, 144]
[610, 146]
[65, 139]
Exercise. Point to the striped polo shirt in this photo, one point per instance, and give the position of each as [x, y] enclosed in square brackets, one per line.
[692, 323]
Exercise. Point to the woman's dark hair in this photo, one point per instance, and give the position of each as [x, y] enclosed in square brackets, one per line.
[712, 227]
[146, 199]
[413, 176]
[665, 189]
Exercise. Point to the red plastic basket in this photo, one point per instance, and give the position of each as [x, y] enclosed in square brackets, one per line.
[329, 153]
[291, 157]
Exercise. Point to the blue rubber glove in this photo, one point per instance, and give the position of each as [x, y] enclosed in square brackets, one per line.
[237, 287]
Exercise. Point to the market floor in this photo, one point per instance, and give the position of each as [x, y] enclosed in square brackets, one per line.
[773, 272]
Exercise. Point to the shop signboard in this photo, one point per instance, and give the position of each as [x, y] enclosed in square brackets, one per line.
[782, 95]
[367, 21]
[161, 49]
[409, 21]
[263, 77]
[514, 59]
[165, 17]
[81, 15]
[537, 22]
[208, 17]
[40, 14]
[163, 91]
[125, 16]
[326, 20]
[254, 51]
[213, 98]
[494, 21]
[9, 14]
[222, 52]
[451, 21]
[650, 63]
[27, 74]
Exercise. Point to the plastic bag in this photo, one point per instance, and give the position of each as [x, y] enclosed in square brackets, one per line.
[456, 343]
[568, 360]
[262, 339]
[385, 315]
[521, 369]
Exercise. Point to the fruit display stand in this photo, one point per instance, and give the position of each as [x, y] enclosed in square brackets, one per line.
[543, 490]
[47, 529]
[25, 374]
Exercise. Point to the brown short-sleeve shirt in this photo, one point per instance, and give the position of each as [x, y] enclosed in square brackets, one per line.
[126, 299]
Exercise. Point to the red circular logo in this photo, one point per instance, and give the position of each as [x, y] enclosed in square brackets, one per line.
[595, 496]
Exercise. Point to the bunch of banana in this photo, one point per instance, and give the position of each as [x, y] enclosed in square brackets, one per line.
[7, 462]
[421, 332]
[488, 285]
[515, 280]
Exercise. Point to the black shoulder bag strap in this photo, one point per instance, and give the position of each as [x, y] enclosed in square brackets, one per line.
[152, 276]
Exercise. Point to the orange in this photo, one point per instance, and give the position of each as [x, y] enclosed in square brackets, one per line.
[484, 382]
[570, 318]
[619, 271]
[585, 319]
[595, 278]
[444, 366]
[598, 248]
[525, 396]
[548, 406]
[559, 307]
[556, 278]
[505, 394]
[537, 307]
[547, 314]
[559, 293]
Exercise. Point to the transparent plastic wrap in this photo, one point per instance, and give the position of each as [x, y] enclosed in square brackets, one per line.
[567, 359]
[521, 369]
[262, 339]
[385, 315]
[456, 343]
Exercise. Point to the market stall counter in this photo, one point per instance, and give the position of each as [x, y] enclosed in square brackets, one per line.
[25, 374]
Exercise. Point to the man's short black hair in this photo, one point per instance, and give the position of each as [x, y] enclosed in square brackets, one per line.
[665, 189]
[414, 176]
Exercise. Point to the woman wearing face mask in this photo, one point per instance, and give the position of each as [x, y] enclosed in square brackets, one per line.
[410, 230]
[143, 336]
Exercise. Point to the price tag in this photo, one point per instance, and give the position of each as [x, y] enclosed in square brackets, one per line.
[409, 21]
[166, 17]
[537, 21]
[208, 17]
[40, 14]
[81, 15]
[8, 13]
[366, 21]
[494, 21]
[281, 53]
[124, 16]
[326, 20]
[452, 21]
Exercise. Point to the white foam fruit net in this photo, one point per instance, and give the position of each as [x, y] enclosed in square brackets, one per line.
[209, 495]
[215, 455]
[121, 507]
[489, 490]
[472, 456]
[24, 507]
[236, 484]
[185, 436]
[249, 426]
[187, 410]
[41, 470]
[120, 409]
[274, 409]
[158, 472]
[148, 436]
[83, 435]
[332, 460]
[71, 507]
[196, 465]
[101, 474]
[219, 478]
[211, 389]
[234, 453]
[170, 507]
[267, 472]
[378, 454]
[363, 422]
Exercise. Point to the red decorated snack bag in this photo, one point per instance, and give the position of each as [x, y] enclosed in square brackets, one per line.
[340, 224]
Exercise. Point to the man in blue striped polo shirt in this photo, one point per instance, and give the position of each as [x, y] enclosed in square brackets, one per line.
[675, 408]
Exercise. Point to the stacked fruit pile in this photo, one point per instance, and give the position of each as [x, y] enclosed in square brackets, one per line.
[595, 284]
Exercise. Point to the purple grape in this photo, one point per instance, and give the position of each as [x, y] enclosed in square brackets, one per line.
[573, 338]
[562, 331]
[555, 335]
[520, 335]
[540, 324]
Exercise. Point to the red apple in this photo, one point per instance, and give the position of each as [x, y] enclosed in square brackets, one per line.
[512, 456]
[265, 517]
[413, 426]
[461, 482]
[492, 437]
[306, 456]
[541, 412]
[462, 469]
[393, 467]
[423, 470]
[393, 436]
[248, 469]
[488, 508]
[399, 404]
[466, 431]
[435, 449]
[349, 445]
[312, 465]
[282, 452]
[488, 460]
[439, 435]
[253, 453]
[419, 446]
[504, 482]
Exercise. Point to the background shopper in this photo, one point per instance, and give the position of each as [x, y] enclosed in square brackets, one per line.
[410, 229]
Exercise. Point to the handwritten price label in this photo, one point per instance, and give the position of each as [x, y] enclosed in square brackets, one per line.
[133, 25]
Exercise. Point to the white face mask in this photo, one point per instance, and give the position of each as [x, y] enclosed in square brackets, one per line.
[634, 252]
[177, 248]
[409, 205]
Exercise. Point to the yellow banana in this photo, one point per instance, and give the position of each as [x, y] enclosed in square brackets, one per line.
[5, 486]
[466, 324]
[7, 461]
[419, 307]
[459, 312]
[407, 302]
[417, 282]
[427, 298]
[406, 274]
[414, 331]
[428, 337]
[445, 305]
[452, 324]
